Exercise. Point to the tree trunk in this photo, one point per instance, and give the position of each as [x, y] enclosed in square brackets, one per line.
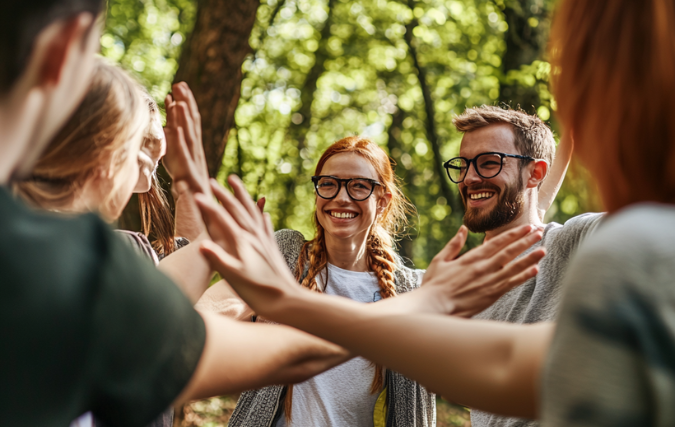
[211, 64]
[297, 132]
[430, 109]
[525, 43]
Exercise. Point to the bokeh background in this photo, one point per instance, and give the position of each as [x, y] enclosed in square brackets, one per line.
[277, 81]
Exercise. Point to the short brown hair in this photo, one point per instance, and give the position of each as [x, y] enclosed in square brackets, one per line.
[532, 137]
[614, 79]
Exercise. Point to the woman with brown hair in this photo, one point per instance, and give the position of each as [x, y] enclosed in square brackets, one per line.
[109, 149]
[610, 359]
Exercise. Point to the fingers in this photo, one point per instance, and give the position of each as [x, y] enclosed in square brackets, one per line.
[496, 244]
[455, 245]
[186, 122]
[218, 258]
[519, 271]
[243, 197]
[185, 94]
[516, 248]
[261, 204]
[219, 224]
[269, 228]
[238, 212]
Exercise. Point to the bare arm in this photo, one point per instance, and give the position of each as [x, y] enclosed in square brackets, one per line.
[241, 356]
[486, 365]
[221, 298]
[189, 269]
[556, 175]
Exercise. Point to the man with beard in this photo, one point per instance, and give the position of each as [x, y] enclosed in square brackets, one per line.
[504, 158]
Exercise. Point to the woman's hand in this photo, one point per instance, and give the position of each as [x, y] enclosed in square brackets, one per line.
[243, 249]
[467, 285]
[185, 160]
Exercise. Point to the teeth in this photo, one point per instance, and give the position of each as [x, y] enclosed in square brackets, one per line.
[347, 215]
[477, 196]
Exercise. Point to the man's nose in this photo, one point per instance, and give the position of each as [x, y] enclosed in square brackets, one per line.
[472, 176]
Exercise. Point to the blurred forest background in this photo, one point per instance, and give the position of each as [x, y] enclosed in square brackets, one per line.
[277, 81]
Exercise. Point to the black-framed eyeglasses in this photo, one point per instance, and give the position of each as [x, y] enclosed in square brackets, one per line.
[487, 165]
[358, 189]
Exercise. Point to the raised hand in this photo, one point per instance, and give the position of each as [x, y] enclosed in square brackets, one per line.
[243, 249]
[185, 160]
[467, 285]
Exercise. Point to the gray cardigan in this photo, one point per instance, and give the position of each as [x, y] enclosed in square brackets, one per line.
[409, 404]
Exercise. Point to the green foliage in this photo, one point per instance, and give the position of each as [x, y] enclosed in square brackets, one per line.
[145, 37]
[367, 84]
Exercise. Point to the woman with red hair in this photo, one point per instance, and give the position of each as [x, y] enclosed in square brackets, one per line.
[359, 211]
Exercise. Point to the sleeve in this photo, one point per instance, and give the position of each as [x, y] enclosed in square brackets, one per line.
[147, 339]
[290, 243]
[612, 360]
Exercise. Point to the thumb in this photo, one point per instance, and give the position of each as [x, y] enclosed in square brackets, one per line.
[455, 245]
[218, 258]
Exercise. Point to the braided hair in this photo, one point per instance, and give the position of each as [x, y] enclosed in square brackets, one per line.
[380, 255]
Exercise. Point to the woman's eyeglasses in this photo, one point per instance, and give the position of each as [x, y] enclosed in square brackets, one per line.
[487, 165]
[358, 189]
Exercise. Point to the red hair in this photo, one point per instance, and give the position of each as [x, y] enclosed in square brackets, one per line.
[614, 79]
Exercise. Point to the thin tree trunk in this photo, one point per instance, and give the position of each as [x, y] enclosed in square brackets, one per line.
[405, 246]
[211, 64]
[524, 44]
[430, 109]
[298, 132]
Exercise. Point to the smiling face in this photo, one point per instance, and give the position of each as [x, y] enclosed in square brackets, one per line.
[341, 217]
[494, 202]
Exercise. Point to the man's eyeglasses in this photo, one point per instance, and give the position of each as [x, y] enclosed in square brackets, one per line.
[487, 165]
[358, 189]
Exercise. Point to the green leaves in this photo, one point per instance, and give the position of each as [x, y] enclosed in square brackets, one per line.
[367, 84]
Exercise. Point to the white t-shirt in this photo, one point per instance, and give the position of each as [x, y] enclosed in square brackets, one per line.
[340, 396]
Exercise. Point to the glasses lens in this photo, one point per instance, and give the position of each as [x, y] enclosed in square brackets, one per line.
[360, 189]
[489, 165]
[327, 187]
[456, 169]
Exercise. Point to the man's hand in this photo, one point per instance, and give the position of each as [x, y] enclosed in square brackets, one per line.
[185, 160]
[467, 285]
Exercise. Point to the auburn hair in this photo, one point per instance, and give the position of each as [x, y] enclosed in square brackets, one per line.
[381, 257]
[613, 78]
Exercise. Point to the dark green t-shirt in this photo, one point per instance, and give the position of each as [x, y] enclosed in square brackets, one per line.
[86, 324]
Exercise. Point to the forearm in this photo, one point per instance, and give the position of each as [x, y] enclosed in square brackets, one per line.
[188, 269]
[551, 185]
[189, 222]
[242, 356]
[486, 365]
[221, 299]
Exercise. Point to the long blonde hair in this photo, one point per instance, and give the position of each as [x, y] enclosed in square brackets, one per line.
[112, 113]
[381, 256]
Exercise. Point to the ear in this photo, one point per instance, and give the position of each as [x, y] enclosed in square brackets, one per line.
[383, 202]
[538, 172]
[56, 43]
